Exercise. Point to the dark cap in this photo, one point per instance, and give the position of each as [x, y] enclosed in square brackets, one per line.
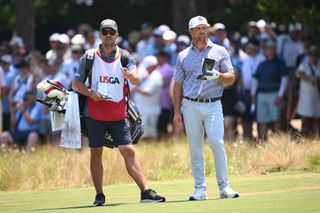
[30, 95]
[254, 42]
[24, 64]
[109, 23]
[313, 50]
[270, 43]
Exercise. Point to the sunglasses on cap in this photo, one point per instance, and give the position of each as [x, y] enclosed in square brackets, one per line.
[108, 32]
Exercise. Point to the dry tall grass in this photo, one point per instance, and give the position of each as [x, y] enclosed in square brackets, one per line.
[50, 167]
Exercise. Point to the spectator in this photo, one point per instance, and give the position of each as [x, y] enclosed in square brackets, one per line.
[144, 46]
[268, 88]
[26, 122]
[220, 35]
[147, 97]
[309, 93]
[20, 85]
[289, 49]
[10, 73]
[248, 69]
[165, 116]
[3, 91]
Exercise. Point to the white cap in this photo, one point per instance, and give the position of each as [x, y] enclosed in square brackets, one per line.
[295, 27]
[195, 21]
[183, 39]
[149, 61]
[78, 39]
[16, 40]
[261, 24]
[161, 29]
[64, 39]
[6, 58]
[169, 35]
[54, 37]
[219, 26]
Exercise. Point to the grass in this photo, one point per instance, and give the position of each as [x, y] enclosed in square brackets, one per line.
[277, 192]
[51, 167]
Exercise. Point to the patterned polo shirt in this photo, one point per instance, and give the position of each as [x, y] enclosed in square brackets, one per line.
[189, 66]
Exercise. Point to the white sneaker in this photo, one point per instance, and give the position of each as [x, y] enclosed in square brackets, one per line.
[227, 192]
[199, 194]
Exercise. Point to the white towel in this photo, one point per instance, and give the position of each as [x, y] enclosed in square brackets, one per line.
[71, 132]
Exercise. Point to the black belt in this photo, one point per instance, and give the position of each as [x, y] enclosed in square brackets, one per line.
[203, 100]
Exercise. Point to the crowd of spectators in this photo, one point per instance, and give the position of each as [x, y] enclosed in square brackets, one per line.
[278, 79]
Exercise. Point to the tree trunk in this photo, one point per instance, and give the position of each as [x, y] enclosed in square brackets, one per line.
[25, 22]
[183, 10]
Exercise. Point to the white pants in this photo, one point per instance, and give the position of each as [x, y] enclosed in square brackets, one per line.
[200, 117]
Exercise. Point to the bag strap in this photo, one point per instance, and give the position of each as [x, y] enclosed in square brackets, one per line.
[89, 63]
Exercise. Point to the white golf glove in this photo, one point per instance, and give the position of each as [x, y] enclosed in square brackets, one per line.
[209, 75]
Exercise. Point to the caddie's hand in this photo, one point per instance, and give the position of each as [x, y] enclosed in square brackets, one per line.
[126, 73]
[177, 119]
[96, 96]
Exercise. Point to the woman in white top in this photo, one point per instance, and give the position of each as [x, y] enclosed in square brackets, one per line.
[309, 93]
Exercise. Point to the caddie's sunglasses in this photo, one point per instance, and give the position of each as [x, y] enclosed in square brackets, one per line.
[108, 32]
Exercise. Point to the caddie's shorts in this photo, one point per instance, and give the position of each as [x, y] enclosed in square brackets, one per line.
[99, 131]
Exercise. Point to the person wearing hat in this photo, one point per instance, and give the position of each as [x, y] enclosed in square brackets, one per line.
[105, 109]
[26, 123]
[249, 67]
[309, 93]
[220, 35]
[147, 97]
[10, 73]
[71, 65]
[267, 91]
[3, 91]
[198, 100]
[22, 82]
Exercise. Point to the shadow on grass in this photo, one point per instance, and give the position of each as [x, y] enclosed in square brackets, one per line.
[78, 207]
[184, 201]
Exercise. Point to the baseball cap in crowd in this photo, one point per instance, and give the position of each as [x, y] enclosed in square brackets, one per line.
[252, 24]
[30, 95]
[54, 37]
[77, 48]
[6, 58]
[24, 64]
[254, 42]
[149, 61]
[270, 43]
[169, 35]
[109, 23]
[219, 26]
[78, 39]
[313, 50]
[197, 20]
[295, 27]
[160, 30]
[64, 39]
[183, 39]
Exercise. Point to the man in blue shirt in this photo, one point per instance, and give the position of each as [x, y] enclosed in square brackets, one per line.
[26, 133]
[268, 87]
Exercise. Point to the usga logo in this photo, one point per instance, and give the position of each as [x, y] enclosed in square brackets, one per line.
[111, 80]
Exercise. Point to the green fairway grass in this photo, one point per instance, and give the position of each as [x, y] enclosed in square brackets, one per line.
[270, 193]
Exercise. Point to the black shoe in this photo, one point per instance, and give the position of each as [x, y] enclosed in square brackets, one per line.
[151, 196]
[99, 200]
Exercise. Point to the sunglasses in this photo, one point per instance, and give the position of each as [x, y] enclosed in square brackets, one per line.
[108, 32]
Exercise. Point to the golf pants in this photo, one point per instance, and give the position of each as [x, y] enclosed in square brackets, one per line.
[200, 117]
